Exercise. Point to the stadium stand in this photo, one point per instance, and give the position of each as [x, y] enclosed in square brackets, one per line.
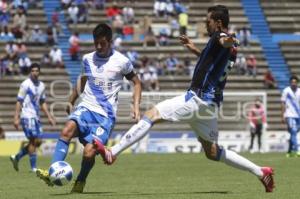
[196, 10]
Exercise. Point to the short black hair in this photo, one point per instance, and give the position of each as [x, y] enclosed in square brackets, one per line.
[35, 65]
[102, 30]
[294, 77]
[220, 12]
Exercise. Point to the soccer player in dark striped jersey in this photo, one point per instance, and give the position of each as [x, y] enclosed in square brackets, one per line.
[199, 105]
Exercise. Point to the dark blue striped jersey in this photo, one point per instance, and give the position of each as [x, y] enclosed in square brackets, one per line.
[211, 70]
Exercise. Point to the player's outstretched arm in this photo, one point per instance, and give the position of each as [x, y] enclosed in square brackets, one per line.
[228, 41]
[137, 90]
[187, 42]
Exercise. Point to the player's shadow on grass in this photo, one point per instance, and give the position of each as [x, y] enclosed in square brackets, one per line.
[147, 194]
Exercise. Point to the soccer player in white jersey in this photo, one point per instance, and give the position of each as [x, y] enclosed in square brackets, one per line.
[94, 116]
[290, 106]
[199, 105]
[31, 95]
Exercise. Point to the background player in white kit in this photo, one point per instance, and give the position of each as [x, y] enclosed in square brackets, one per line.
[30, 97]
[290, 106]
[199, 105]
[94, 117]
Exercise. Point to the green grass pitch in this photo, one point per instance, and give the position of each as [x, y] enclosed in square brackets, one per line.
[157, 176]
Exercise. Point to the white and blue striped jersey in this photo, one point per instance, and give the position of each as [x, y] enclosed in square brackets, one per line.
[105, 77]
[31, 95]
[291, 100]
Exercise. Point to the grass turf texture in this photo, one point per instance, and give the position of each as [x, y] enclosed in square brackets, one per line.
[157, 176]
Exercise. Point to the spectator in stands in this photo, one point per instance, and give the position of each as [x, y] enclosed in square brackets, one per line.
[241, 64]
[82, 13]
[128, 13]
[170, 10]
[74, 46]
[269, 80]
[11, 50]
[6, 35]
[73, 13]
[183, 19]
[117, 25]
[21, 49]
[251, 65]
[37, 35]
[159, 8]
[144, 76]
[4, 6]
[117, 42]
[13, 67]
[56, 57]
[4, 18]
[160, 65]
[163, 37]
[17, 32]
[134, 56]
[245, 36]
[153, 77]
[65, 4]
[174, 26]
[20, 4]
[172, 64]
[26, 34]
[150, 38]
[179, 7]
[2, 133]
[113, 11]
[188, 66]
[3, 67]
[55, 21]
[24, 64]
[20, 19]
[258, 122]
[128, 32]
[45, 60]
[51, 36]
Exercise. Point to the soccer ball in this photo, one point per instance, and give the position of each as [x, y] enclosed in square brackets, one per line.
[60, 173]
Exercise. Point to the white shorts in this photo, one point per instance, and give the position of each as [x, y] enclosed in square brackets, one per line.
[188, 107]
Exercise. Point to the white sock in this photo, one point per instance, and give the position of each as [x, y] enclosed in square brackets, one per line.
[135, 133]
[235, 160]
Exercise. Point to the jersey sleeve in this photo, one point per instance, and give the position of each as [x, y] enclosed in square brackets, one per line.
[284, 96]
[22, 92]
[127, 68]
[43, 95]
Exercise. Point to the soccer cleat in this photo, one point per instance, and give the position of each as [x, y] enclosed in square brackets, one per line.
[267, 179]
[78, 187]
[106, 154]
[14, 162]
[33, 170]
[44, 175]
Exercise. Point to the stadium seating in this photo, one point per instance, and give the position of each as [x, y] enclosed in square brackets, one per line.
[282, 16]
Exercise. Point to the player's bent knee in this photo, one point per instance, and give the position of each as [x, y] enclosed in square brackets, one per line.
[212, 151]
[89, 151]
[68, 132]
[38, 142]
[153, 114]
